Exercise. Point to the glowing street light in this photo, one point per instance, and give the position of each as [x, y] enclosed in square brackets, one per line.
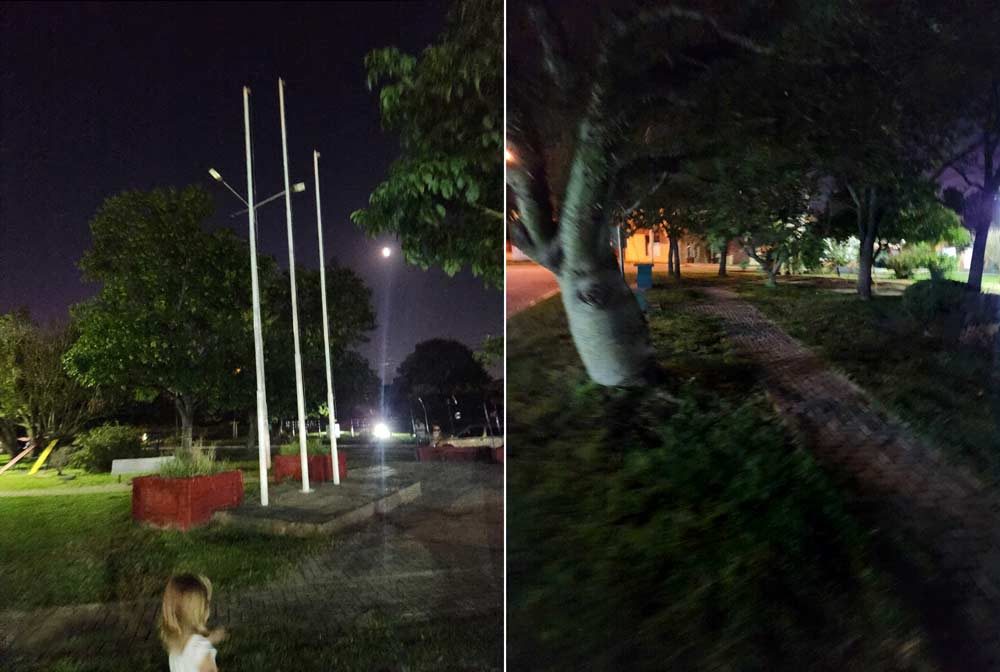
[508, 155]
[381, 431]
[386, 252]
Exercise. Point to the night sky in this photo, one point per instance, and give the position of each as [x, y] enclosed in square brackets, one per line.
[99, 98]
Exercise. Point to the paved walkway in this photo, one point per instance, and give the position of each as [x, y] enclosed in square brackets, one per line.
[905, 483]
[439, 556]
[527, 284]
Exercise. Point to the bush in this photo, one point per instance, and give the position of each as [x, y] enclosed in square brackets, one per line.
[100, 446]
[931, 300]
[198, 464]
[314, 446]
[909, 260]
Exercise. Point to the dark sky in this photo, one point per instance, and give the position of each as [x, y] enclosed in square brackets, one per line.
[99, 98]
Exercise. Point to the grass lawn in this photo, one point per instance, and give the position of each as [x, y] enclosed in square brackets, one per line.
[19, 479]
[945, 394]
[678, 528]
[375, 643]
[69, 550]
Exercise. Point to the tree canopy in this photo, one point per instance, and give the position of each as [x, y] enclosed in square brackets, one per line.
[443, 196]
[172, 315]
[36, 394]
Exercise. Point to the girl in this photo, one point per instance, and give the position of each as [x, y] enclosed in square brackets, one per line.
[183, 624]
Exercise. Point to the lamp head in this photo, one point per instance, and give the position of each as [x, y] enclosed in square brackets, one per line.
[298, 187]
[215, 174]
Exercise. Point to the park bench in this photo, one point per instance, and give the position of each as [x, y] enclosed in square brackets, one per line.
[139, 465]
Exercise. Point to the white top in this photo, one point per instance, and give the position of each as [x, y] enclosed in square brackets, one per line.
[190, 659]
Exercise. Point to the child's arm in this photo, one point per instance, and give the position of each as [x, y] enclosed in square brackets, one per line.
[207, 665]
[217, 635]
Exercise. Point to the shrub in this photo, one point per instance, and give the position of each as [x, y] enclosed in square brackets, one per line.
[314, 446]
[100, 446]
[912, 258]
[931, 300]
[197, 464]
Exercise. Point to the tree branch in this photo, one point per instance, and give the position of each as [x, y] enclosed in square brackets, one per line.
[553, 42]
[668, 13]
[976, 144]
[536, 227]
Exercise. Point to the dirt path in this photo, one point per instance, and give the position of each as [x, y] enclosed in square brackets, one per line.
[905, 484]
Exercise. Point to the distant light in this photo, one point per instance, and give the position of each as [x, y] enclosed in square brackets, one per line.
[508, 155]
[381, 431]
[299, 186]
[215, 174]
[145, 437]
[386, 252]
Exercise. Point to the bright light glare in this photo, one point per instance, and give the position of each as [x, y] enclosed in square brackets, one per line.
[215, 174]
[299, 186]
[386, 252]
[381, 431]
[508, 155]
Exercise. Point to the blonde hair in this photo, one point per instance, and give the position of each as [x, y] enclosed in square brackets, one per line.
[185, 610]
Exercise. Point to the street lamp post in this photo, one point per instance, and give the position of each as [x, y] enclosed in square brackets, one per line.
[299, 392]
[263, 434]
[326, 332]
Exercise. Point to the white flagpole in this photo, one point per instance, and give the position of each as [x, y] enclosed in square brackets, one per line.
[263, 447]
[300, 394]
[331, 411]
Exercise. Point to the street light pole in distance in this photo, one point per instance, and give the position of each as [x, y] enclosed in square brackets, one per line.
[331, 410]
[299, 392]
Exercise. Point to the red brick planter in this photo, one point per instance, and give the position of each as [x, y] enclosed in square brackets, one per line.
[184, 503]
[448, 453]
[498, 454]
[320, 467]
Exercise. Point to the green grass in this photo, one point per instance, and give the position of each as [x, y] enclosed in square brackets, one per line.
[945, 394]
[678, 528]
[375, 643]
[69, 550]
[18, 478]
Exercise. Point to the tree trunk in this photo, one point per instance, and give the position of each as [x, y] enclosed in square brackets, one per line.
[670, 257]
[675, 249]
[8, 436]
[608, 328]
[722, 260]
[868, 227]
[251, 430]
[772, 272]
[978, 263]
[185, 407]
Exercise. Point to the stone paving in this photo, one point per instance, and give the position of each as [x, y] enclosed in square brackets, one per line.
[439, 556]
[903, 481]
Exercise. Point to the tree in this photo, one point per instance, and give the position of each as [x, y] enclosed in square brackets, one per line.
[351, 317]
[859, 82]
[604, 96]
[441, 369]
[973, 59]
[172, 316]
[490, 352]
[443, 196]
[36, 394]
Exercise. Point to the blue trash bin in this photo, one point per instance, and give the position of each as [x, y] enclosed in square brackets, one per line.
[644, 276]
